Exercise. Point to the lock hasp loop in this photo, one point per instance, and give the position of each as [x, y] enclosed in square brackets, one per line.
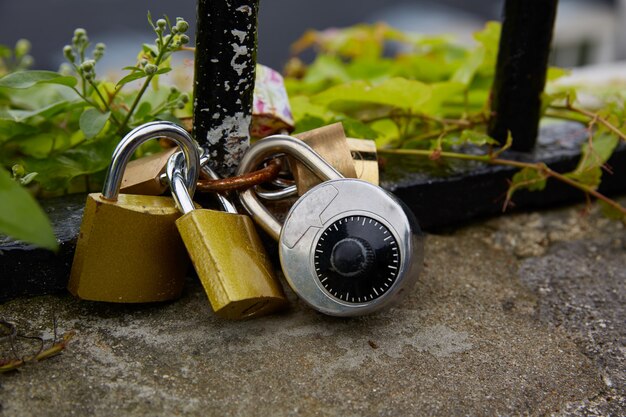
[129, 144]
[274, 145]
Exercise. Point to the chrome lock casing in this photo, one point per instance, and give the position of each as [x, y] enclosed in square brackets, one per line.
[347, 247]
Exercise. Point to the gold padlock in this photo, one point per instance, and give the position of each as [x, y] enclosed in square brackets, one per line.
[330, 142]
[365, 159]
[227, 254]
[353, 158]
[143, 175]
[128, 250]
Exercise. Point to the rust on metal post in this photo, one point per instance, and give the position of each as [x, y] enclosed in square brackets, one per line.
[226, 45]
[521, 71]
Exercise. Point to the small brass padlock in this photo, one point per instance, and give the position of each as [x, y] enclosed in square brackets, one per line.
[227, 254]
[331, 144]
[128, 249]
[353, 158]
[143, 176]
[347, 247]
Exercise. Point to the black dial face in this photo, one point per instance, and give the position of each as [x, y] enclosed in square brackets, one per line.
[357, 259]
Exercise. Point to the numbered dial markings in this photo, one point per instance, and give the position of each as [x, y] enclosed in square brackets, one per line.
[357, 259]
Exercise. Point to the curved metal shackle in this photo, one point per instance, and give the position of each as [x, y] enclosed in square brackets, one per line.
[175, 171]
[265, 148]
[129, 144]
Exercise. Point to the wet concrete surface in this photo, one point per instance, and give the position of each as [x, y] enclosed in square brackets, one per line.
[520, 315]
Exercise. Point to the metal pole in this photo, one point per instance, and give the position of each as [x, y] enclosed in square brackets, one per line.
[521, 71]
[226, 46]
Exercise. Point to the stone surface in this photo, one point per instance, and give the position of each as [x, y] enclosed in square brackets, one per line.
[521, 315]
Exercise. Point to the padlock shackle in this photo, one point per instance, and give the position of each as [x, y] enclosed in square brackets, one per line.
[136, 137]
[174, 170]
[265, 148]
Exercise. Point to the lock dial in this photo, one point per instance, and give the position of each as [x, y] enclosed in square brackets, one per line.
[356, 259]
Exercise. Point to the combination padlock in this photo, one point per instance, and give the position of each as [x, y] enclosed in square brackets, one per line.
[347, 247]
[128, 249]
[227, 254]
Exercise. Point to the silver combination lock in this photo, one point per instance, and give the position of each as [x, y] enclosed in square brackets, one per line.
[347, 247]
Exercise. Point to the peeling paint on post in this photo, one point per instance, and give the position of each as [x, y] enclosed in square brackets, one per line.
[226, 45]
[521, 71]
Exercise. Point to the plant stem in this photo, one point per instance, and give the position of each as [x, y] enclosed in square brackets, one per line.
[593, 116]
[145, 85]
[538, 166]
[104, 102]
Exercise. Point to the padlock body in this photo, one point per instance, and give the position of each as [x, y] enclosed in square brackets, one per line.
[331, 144]
[142, 176]
[231, 263]
[365, 159]
[129, 251]
[349, 248]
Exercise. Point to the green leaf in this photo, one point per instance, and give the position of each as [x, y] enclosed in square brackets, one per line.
[92, 121]
[610, 211]
[45, 112]
[11, 128]
[356, 129]
[527, 178]
[554, 73]
[26, 79]
[133, 76]
[143, 110]
[394, 92]
[472, 137]
[465, 73]
[150, 49]
[21, 217]
[88, 158]
[589, 169]
[163, 70]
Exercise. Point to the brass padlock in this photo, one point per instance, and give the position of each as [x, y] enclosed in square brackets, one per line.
[128, 249]
[353, 158]
[227, 254]
[143, 175]
[331, 144]
[365, 159]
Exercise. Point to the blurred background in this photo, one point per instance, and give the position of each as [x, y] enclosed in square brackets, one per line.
[587, 31]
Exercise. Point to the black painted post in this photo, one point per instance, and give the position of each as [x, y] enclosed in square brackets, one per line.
[521, 71]
[226, 45]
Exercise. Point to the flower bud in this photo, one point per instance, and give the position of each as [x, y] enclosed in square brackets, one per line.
[173, 90]
[18, 171]
[161, 23]
[184, 39]
[100, 46]
[65, 69]
[68, 52]
[27, 61]
[80, 36]
[22, 47]
[88, 76]
[174, 30]
[184, 98]
[180, 105]
[182, 26]
[150, 69]
[88, 65]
